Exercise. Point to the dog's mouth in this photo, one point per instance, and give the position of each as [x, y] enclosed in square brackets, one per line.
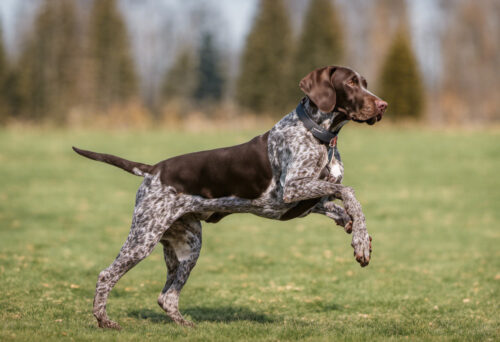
[375, 119]
[370, 121]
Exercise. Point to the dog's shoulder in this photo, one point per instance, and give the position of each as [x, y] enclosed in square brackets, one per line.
[290, 135]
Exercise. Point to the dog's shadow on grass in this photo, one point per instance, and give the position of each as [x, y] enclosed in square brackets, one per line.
[206, 314]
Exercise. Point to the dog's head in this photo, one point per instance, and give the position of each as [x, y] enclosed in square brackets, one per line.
[344, 90]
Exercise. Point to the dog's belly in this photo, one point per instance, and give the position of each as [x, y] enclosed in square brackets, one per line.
[299, 209]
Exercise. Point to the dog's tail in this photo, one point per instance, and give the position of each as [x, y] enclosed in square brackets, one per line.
[137, 169]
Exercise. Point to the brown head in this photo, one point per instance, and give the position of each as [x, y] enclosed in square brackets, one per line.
[344, 90]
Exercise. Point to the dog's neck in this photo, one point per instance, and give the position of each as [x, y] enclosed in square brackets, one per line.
[332, 121]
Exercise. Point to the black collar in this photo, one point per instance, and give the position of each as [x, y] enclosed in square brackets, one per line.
[325, 136]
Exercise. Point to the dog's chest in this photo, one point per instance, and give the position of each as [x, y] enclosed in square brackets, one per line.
[334, 169]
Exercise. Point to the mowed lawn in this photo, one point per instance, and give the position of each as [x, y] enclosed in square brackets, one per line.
[431, 199]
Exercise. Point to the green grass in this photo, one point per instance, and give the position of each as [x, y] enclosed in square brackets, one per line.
[431, 200]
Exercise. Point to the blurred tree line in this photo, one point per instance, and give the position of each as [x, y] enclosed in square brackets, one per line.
[72, 60]
[65, 63]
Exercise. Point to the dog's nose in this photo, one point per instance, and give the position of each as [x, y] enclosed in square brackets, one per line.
[381, 105]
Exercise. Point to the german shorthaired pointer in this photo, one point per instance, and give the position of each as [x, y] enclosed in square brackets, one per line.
[290, 171]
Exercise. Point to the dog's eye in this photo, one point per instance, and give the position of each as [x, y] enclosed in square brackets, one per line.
[352, 82]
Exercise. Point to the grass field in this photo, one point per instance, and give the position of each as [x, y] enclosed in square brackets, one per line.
[432, 202]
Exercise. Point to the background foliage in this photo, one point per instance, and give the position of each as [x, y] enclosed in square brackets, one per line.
[80, 62]
[113, 76]
[400, 81]
[264, 72]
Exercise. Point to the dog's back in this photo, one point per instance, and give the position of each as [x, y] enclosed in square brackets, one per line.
[243, 171]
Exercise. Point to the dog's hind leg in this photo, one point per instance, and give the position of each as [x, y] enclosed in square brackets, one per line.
[181, 247]
[153, 214]
[171, 262]
[135, 249]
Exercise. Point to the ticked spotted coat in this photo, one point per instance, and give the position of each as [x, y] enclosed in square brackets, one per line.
[291, 174]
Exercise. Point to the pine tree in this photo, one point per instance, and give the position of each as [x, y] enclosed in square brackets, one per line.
[180, 79]
[401, 84]
[15, 101]
[386, 17]
[114, 77]
[262, 85]
[320, 42]
[48, 64]
[210, 81]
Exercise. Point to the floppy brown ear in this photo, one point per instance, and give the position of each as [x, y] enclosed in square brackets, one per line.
[318, 86]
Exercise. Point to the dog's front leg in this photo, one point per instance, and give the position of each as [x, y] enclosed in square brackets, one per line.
[306, 188]
[334, 211]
